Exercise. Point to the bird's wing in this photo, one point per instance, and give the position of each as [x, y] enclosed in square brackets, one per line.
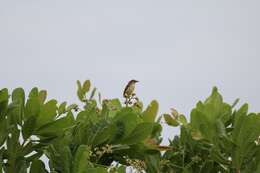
[125, 90]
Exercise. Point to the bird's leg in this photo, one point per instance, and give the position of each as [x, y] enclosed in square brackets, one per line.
[127, 101]
[131, 99]
[134, 97]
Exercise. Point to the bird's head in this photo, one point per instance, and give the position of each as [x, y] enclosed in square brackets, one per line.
[133, 81]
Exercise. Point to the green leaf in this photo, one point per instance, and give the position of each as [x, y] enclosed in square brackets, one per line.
[62, 108]
[60, 158]
[33, 93]
[3, 131]
[119, 147]
[186, 170]
[28, 127]
[235, 103]
[27, 148]
[56, 127]
[153, 162]
[104, 134]
[13, 146]
[139, 134]
[220, 128]
[47, 113]
[42, 96]
[3, 101]
[174, 113]
[157, 129]
[80, 92]
[125, 122]
[217, 156]
[1, 158]
[95, 170]
[183, 119]
[138, 106]
[3, 95]
[38, 167]
[20, 166]
[240, 114]
[170, 121]
[206, 116]
[32, 107]
[83, 89]
[121, 169]
[71, 107]
[18, 97]
[113, 107]
[99, 98]
[88, 115]
[246, 131]
[151, 111]
[92, 93]
[196, 134]
[86, 86]
[81, 160]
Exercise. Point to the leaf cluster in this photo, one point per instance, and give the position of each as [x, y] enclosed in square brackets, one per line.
[104, 135]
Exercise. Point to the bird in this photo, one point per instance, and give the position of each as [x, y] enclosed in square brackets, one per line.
[129, 89]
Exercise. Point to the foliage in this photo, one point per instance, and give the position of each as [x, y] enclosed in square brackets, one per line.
[104, 135]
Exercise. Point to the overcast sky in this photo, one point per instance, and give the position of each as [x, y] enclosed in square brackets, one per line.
[177, 49]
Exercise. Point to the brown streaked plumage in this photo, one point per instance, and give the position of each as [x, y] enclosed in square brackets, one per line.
[129, 89]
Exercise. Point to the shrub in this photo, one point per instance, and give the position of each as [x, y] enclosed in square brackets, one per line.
[104, 135]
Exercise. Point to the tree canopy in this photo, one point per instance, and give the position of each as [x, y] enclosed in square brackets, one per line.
[105, 135]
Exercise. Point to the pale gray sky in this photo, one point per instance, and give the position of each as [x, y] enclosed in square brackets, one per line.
[177, 49]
